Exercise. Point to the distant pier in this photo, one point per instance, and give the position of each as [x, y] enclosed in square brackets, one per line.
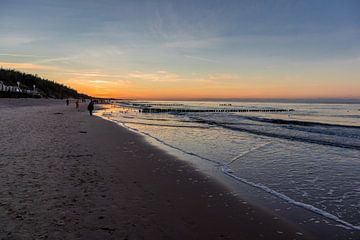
[146, 105]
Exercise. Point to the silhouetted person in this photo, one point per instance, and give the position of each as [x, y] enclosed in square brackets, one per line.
[77, 104]
[91, 107]
[67, 102]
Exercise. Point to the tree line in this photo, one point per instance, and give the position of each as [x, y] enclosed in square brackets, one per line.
[46, 88]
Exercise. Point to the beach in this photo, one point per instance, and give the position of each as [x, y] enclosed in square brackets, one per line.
[66, 175]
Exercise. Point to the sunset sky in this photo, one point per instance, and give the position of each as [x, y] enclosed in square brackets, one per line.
[187, 49]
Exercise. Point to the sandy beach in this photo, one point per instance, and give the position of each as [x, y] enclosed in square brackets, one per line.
[66, 175]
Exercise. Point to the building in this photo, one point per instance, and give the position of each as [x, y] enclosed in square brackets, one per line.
[5, 88]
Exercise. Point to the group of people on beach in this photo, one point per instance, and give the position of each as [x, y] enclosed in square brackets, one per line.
[90, 106]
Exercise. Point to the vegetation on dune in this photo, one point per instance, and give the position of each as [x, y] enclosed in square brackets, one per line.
[46, 88]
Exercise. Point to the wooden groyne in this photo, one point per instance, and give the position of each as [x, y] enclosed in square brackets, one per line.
[179, 110]
[146, 105]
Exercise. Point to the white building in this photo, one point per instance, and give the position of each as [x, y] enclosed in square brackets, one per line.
[5, 88]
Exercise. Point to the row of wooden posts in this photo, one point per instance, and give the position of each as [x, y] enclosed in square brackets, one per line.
[163, 110]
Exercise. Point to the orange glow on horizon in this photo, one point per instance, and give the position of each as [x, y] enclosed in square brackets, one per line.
[216, 86]
[188, 94]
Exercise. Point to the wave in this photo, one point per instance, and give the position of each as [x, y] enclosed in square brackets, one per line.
[167, 125]
[154, 119]
[165, 143]
[294, 138]
[247, 152]
[327, 131]
[297, 122]
[279, 135]
[160, 119]
[227, 171]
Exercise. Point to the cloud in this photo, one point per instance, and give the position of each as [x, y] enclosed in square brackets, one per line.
[15, 40]
[159, 76]
[98, 81]
[98, 78]
[201, 59]
[194, 43]
[223, 76]
[219, 78]
[58, 59]
[94, 74]
[21, 55]
[29, 66]
[87, 74]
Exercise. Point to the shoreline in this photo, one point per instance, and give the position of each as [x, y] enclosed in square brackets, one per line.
[311, 219]
[68, 175]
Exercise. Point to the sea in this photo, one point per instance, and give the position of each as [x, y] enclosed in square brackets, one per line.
[308, 157]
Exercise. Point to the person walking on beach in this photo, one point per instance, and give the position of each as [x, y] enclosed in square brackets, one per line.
[67, 102]
[77, 104]
[91, 107]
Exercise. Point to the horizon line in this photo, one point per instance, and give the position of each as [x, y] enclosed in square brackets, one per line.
[295, 100]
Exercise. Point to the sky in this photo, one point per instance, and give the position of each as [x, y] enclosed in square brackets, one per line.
[163, 49]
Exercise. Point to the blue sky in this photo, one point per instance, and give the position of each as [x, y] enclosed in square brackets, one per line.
[233, 48]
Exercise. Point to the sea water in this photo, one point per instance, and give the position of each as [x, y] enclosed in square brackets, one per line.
[309, 157]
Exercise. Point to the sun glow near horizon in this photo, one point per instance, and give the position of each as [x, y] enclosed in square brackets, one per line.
[165, 85]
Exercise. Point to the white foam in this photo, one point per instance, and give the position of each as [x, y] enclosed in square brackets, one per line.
[226, 170]
[247, 152]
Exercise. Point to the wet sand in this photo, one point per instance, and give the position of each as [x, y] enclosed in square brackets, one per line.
[66, 175]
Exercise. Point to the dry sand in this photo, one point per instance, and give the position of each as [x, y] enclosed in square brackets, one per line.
[66, 175]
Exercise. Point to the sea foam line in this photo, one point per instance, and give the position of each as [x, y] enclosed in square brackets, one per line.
[167, 144]
[247, 152]
[229, 172]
